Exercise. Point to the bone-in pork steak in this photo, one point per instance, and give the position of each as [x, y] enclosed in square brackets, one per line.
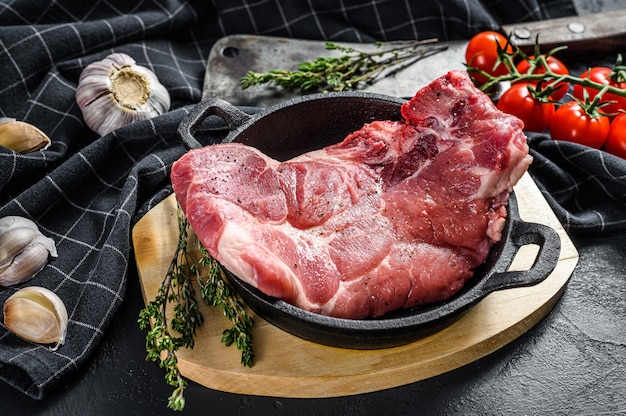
[398, 214]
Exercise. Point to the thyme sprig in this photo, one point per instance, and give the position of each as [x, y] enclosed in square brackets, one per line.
[177, 292]
[217, 293]
[350, 70]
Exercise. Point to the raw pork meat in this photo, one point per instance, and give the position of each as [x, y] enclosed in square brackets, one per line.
[398, 214]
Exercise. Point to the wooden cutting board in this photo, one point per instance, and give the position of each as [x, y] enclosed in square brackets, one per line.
[288, 366]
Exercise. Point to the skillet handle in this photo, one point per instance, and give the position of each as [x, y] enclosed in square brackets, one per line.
[233, 116]
[524, 233]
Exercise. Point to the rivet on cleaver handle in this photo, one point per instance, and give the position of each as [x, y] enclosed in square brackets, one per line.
[585, 36]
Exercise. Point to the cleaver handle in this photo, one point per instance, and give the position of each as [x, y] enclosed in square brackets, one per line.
[586, 36]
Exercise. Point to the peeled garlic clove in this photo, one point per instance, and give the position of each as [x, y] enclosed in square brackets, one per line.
[115, 92]
[36, 314]
[22, 137]
[24, 250]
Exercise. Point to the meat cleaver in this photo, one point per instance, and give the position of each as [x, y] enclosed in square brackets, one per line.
[233, 56]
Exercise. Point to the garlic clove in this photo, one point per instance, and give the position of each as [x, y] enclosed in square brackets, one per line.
[22, 137]
[115, 92]
[13, 241]
[37, 314]
[25, 265]
[24, 250]
[14, 221]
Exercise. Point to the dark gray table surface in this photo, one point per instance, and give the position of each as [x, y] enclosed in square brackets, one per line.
[573, 362]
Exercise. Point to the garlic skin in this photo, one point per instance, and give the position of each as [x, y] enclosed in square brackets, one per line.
[115, 92]
[37, 314]
[24, 250]
[22, 137]
[15, 221]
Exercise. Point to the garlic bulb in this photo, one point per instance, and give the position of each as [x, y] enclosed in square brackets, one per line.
[24, 250]
[115, 92]
[36, 314]
[22, 137]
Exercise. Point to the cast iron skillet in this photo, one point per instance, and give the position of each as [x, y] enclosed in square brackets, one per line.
[314, 121]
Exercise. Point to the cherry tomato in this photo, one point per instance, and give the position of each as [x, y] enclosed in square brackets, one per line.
[602, 75]
[482, 53]
[616, 143]
[572, 123]
[518, 101]
[555, 66]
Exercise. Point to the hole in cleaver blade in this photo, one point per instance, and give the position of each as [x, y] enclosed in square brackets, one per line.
[233, 56]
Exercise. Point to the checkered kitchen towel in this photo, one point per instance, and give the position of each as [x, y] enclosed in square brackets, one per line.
[86, 191]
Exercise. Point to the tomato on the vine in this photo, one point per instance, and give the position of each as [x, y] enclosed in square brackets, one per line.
[602, 75]
[482, 53]
[616, 142]
[555, 65]
[572, 123]
[518, 101]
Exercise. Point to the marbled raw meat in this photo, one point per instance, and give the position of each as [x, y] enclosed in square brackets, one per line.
[398, 214]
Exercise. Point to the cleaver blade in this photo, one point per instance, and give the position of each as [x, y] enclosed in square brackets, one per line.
[231, 57]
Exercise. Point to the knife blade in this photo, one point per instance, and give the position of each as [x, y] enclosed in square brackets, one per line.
[233, 56]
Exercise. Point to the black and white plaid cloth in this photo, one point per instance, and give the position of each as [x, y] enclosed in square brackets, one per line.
[86, 191]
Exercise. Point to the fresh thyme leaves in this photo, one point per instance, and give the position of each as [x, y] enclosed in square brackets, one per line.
[177, 292]
[351, 69]
[217, 293]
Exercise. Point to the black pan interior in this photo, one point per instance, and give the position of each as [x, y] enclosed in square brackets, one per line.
[312, 122]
